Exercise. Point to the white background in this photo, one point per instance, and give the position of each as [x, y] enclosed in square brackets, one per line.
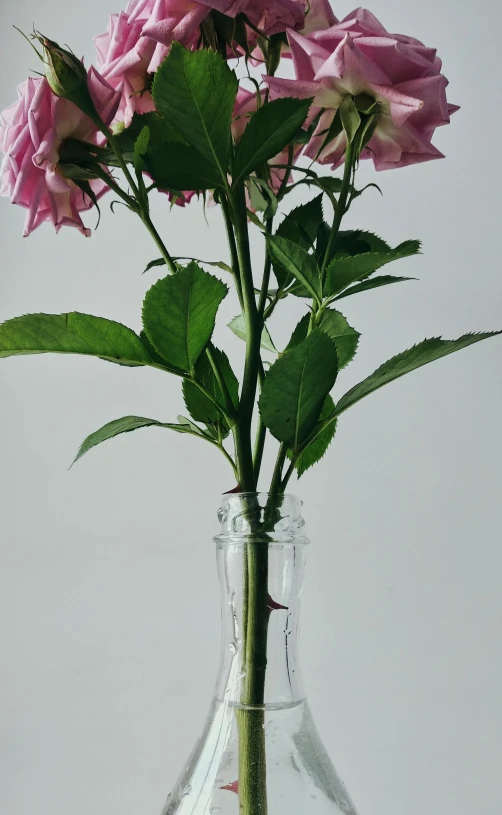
[109, 619]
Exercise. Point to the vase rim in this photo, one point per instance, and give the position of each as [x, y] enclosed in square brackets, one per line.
[243, 518]
[286, 495]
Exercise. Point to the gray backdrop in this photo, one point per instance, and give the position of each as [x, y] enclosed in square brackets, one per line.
[109, 620]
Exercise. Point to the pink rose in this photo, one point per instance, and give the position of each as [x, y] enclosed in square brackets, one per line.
[166, 21]
[124, 58]
[31, 134]
[270, 16]
[138, 39]
[181, 199]
[319, 17]
[137, 42]
[358, 56]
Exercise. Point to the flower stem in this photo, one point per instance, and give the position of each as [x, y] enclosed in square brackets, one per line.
[232, 247]
[251, 715]
[342, 207]
[112, 141]
[147, 221]
[253, 335]
[261, 434]
[275, 487]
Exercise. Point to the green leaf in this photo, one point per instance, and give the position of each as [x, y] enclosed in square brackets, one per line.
[198, 405]
[262, 197]
[345, 337]
[296, 387]
[373, 283]
[179, 314]
[252, 216]
[158, 129]
[349, 242]
[298, 263]
[142, 142]
[318, 448]
[269, 130]
[421, 354]
[366, 131]
[173, 165]
[327, 183]
[300, 333]
[126, 425]
[154, 263]
[300, 226]
[351, 119]
[187, 426]
[334, 324]
[238, 326]
[73, 333]
[334, 130]
[195, 92]
[343, 271]
[216, 264]
[359, 242]
[177, 167]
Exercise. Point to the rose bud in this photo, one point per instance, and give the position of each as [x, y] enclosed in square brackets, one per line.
[67, 76]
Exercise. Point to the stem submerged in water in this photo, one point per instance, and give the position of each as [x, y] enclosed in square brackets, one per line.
[251, 714]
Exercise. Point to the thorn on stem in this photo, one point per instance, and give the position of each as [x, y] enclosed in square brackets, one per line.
[272, 605]
[234, 787]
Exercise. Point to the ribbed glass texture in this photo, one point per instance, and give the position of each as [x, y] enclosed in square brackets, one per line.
[300, 778]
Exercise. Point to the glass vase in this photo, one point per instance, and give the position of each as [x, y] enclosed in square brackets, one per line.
[260, 752]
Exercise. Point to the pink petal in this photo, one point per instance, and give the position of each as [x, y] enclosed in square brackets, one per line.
[401, 106]
[308, 56]
[320, 16]
[356, 69]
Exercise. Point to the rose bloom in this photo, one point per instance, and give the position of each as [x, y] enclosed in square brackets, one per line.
[138, 39]
[31, 134]
[125, 59]
[319, 17]
[180, 19]
[358, 56]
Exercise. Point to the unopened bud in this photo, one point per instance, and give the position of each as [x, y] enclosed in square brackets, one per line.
[67, 76]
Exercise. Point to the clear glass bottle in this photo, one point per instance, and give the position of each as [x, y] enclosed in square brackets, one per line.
[261, 758]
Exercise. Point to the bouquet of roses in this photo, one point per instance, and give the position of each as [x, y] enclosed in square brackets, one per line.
[238, 102]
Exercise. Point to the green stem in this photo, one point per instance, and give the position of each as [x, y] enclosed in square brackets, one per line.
[147, 221]
[232, 247]
[341, 208]
[288, 475]
[253, 334]
[261, 434]
[117, 189]
[251, 716]
[120, 158]
[266, 272]
[275, 486]
[228, 457]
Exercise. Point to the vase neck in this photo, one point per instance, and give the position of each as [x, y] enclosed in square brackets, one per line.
[248, 528]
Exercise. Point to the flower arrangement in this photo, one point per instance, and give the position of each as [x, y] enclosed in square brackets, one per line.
[239, 103]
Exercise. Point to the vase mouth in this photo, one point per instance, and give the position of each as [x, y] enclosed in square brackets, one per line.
[260, 517]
